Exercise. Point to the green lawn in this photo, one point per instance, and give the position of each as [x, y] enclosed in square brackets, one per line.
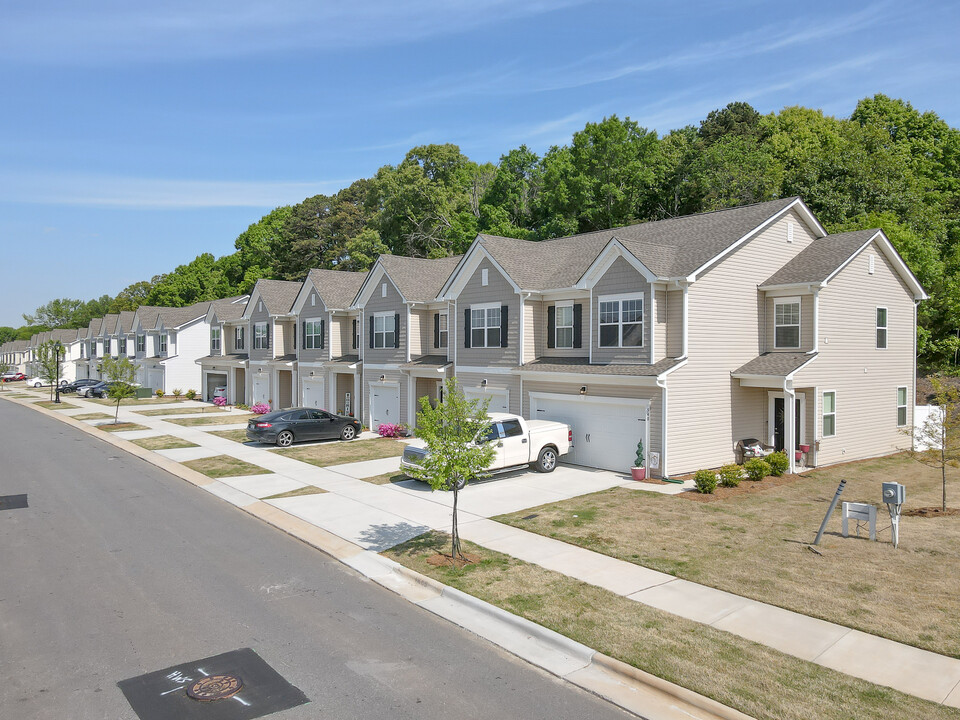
[226, 419]
[121, 427]
[180, 411]
[336, 452]
[49, 405]
[761, 682]
[220, 466]
[163, 442]
[92, 416]
[129, 402]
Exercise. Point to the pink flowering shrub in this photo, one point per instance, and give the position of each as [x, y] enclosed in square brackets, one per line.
[391, 430]
[220, 401]
[260, 409]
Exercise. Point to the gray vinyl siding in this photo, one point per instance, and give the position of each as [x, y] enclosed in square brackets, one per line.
[768, 320]
[498, 291]
[498, 381]
[259, 315]
[620, 279]
[313, 313]
[864, 378]
[725, 332]
[543, 330]
[392, 304]
[660, 326]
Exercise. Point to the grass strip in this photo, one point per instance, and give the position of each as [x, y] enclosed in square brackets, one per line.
[50, 405]
[92, 416]
[179, 411]
[220, 466]
[239, 436]
[214, 420]
[121, 427]
[759, 681]
[163, 442]
[129, 402]
[307, 490]
[386, 478]
[337, 452]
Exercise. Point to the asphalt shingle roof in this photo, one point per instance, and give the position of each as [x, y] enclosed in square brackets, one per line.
[278, 295]
[816, 262]
[777, 364]
[428, 361]
[419, 279]
[175, 317]
[126, 320]
[229, 309]
[582, 365]
[147, 314]
[109, 324]
[337, 288]
[93, 329]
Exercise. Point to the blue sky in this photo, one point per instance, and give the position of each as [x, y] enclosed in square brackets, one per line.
[145, 134]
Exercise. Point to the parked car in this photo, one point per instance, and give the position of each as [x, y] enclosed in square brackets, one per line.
[35, 382]
[13, 376]
[517, 442]
[77, 384]
[88, 390]
[220, 391]
[284, 427]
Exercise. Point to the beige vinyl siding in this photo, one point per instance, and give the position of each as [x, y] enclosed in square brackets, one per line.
[256, 316]
[674, 345]
[498, 381]
[421, 333]
[724, 333]
[864, 378]
[341, 335]
[497, 291]
[543, 329]
[806, 323]
[392, 304]
[532, 312]
[620, 279]
[228, 338]
[431, 344]
[660, 326]
[313, 313]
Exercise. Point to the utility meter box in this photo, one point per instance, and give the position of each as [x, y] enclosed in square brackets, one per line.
[893, 493]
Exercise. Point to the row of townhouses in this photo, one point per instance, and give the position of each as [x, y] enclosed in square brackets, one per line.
[689, 334]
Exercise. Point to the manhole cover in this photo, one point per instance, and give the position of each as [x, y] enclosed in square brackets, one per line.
[215, 687]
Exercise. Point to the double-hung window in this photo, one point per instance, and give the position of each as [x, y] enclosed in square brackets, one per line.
[442, 330]
[238, 339]
[123, 345]
[786, 323]
[881, 328]
[620, 321]
[485, 326]
[901, 406]
[141, 343]
[563, 332]
[261, 340]
[829, 413]
[215, 339]
[312, 334]
[385, 330]
[163, 342]
[106, 347]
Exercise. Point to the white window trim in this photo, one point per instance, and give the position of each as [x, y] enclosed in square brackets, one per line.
[316, 338]
[557, 326]
[823, 413]
[484, 277]
[619, 299]
[262, 345]
[486, 328]
[393, 317]
[878, 328]
[788, 301]
[443, 337]
[905, 406]
[140, 344]
[162, 341]
[216, 338]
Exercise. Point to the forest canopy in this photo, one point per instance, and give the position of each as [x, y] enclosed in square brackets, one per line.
[887, 165]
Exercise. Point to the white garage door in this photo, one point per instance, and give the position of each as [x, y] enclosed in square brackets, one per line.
[261, 389]
[384, 405]
[155, 379]
[605, 432]
[313, 392]
[499, 399]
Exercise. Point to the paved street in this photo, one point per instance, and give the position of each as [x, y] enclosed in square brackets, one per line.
[117, 569]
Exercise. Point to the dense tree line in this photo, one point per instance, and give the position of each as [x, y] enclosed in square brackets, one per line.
[887, 165]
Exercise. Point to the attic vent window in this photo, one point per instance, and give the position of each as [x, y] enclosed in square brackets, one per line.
[484, 277]
[260, 307]
[789, 232]
[871, 264]
[313, 299]
[383, 290]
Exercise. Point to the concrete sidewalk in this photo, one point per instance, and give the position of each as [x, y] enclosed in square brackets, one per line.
[376, 517]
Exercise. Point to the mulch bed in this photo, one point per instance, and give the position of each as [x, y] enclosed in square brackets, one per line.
[931, 512]
[746, 487]
[443, 560]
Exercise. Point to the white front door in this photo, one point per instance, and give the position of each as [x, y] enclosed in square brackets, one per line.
[384, 405]
[155, 379]
[499, 398]
[261, 388]
[313, 392]
[605, 430]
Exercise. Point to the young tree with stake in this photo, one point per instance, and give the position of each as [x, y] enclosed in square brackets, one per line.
[450, 430]
[121, 373]
[936, 441]
[49, 356]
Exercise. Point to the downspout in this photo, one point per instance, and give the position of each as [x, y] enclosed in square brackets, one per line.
[686, 320]
[662, 384]
[523, 312]
[789, 417]
[913, 397]
[407, 343]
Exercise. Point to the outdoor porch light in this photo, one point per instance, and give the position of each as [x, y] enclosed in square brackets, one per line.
[382, 378]
[483, 383]
[311, 373]
[583, 389]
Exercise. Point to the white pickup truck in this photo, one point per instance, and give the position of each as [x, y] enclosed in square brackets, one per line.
[516, 441]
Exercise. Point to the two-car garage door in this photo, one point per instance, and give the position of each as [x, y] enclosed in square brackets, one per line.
[605, 430]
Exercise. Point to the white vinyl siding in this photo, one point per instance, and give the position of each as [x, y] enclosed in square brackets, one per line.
[901, 406]
[786, 322]
[881, 328]
[485, 326]
[829, 405]
[620, 323]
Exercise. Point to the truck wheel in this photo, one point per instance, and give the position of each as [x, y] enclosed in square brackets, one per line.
[546, 460]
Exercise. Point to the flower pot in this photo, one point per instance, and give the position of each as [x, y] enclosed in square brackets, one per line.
[638, 473]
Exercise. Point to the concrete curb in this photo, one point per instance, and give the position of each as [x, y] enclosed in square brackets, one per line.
[617, 682]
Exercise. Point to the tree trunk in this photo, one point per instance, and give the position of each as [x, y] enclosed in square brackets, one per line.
[455, 532]
[943, 478]
[116, 414]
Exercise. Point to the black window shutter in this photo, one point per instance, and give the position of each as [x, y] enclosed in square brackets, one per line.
[436, 330]
[466, 327]
[577, 324]
[303, 335]
[354, 341]
[371, 332]
[551, 326]
[269, 333]
[396, 330]
[323, 334]
[504, 325]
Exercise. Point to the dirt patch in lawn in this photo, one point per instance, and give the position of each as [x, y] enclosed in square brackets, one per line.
[121, 427]
[754, 544]
[931, 512]
[163, 442]
[239, 436]
[220, 466]
[50, 405]
[759, 681]
[336, 452]
[225, 419]
[446, 560]
[307, 490]
[179, 411]
[386, 478]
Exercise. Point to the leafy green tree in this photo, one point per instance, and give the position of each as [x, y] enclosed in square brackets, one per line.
[50, 356]
[122, 373]
[506, 208]
[738, 119]
[362, 251]
[62, 312]
[256, 247]
[449, 431]
[204, 278]
[7, 334]
[131, 297]
[3, 368]
[734, 170]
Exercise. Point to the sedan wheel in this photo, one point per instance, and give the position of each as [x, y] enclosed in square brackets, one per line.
[349, 432]
[285, 438]
[36, 384]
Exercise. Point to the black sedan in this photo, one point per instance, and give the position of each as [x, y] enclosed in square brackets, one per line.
[77, 384]
[284, 427]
